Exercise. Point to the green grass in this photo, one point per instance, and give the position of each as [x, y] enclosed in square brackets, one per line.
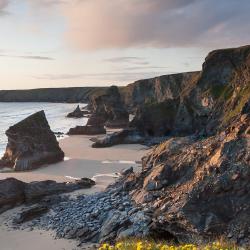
[223, 92]
[242, 97]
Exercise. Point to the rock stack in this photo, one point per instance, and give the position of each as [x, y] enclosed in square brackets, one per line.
[31, 144]
[77, 113]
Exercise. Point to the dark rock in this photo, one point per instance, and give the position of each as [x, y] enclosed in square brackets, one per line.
[87, 130]
[109, 107]
[96, 121]
[37, 190]
[14, 192]
[30, 213]
[114, 222]
[77, 113]
[31, 144]
[122, 137]
[11, 193]
[197, 188]
[85, 182]
[156, 119]
[246, 108]
[127, 171]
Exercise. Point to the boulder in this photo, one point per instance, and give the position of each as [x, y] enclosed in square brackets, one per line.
[31, 144]
[125, 136]
[39, 189]
[14, 192]
[87, 130]
[11, 193]
[77, 113]
[85, 182]
[30, 213]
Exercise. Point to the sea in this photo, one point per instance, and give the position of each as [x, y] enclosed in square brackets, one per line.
[11, 113]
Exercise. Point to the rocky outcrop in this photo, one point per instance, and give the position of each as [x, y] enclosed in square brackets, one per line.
[156, 119]
[87, 130]
[156, 90]
[187, 103]
[109, 107]
[122, 137]
[77, 113]
[31, 213]
[100, 217]
[96, 120]
[198, 188]
[31, 144]
[11, 193]
[14, 192]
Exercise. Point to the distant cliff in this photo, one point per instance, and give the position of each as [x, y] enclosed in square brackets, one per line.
[70, 95]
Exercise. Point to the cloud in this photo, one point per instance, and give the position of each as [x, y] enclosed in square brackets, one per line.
[3, 5]
[108, 24]
[127, 59]
[27, 57]
[46, 3]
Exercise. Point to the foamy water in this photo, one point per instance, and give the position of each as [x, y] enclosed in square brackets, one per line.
[11, 113]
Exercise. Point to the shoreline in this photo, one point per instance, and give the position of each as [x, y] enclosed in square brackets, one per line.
[81, 161]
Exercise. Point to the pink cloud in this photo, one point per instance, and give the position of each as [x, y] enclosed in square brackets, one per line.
[104, 24]
[3, 4]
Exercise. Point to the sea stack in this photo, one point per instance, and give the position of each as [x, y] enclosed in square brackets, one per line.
[31, 144]
[77, 113]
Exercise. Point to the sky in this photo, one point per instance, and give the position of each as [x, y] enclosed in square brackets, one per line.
[66, 43]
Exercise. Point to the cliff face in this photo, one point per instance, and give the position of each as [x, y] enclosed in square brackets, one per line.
[198, 189]
[108, 106]
[199, 102]
[70, 95]
[156, 90]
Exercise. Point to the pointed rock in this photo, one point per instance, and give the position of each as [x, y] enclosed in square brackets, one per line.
[31, 143]
[77, 113]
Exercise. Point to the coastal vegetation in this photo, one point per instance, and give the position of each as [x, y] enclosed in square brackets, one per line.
[154, 245]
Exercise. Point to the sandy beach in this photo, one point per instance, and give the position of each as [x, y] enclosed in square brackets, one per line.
[80, 161]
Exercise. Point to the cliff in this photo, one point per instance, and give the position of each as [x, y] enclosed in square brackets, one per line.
[198, 189]
[187, 103]
[70, 95]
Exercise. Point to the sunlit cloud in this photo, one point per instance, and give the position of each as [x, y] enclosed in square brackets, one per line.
[3, 6]
[46, 3]
[107, 24]
[127, 59]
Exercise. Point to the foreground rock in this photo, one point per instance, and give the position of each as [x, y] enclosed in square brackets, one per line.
[102, 217]
[14, 192]
[87, 130]
[199, 188]
[122, 137]
[77, 113]
[31, 144]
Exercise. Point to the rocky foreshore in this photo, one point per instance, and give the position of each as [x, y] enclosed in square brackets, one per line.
[101, 217]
